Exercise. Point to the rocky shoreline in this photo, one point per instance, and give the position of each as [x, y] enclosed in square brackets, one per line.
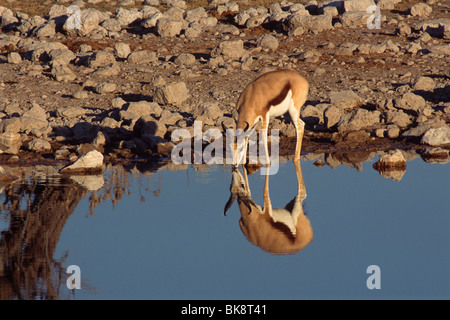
[122, 82]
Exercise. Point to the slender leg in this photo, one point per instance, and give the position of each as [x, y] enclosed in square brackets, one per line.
[300, 128]
[266, 147]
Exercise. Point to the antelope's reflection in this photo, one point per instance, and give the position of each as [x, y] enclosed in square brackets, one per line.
[275, 230]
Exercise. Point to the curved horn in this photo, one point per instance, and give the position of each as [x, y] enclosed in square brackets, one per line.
[228, 204]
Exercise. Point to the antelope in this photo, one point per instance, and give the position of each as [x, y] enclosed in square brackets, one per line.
[270, 95]
[275, 230]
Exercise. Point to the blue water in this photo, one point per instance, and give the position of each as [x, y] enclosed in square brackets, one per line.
[166, 238]
[177, 245]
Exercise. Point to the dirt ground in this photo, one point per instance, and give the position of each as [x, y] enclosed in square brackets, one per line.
[29, 82]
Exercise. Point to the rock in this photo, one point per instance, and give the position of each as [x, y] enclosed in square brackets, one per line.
[420, 10]
[30, 123]
[357, 5]
[168, 27]
[392, 131]
[354, 18]
[172, 93]
[14, 58]
[11, 125]
[310, 23]
[193, 30]
[99, 140]
[398, 118]
[410, 102]
[416, 132]
[194, 15]
[112, 24]
[29, 24]
[107, 71]
[185, 59]
[39, 145]
[170, 118]
[269, 42]
[127, 17]
[62, 73]
[439, 28]
[256, 21]
[424, 84]
[211, 110]
[165, 148]
[313, 115]
[84, 23]
[144, 108]
[10, 143]
[437, 136]
[36, 112]
[100, 59]
[122, 50]
[233, 49]
[346, 99]
[387, 4]
[390, 161]
[358, 119]
[61, 56]
[105, 87]
[332, 116]
[142, 56]
[403, 29]
[439, 50]
[71, 112]
[89, 163]
[152, 127]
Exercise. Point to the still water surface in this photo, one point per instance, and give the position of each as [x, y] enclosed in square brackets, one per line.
[162, 235]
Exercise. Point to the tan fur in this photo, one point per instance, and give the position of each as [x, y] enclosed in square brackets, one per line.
[267, 91]
[259, 224]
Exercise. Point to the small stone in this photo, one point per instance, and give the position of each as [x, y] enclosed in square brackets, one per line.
[269, 42]
[185, 59]
[71, 112]
[172, 93]
[63, 73]
[424, 84]
[437, 136]
[105, 87]
[122, 50]
[10, 143]
[142, 56]
[39, 145]
[346, 99]
[421, 10]
[80, 95]
[89, 163]
[14, 57]
[410, 102]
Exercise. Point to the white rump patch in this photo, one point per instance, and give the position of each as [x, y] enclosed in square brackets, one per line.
[283, 107]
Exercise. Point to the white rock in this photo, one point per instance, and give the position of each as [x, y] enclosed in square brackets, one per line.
[437, 136]
[89, 162]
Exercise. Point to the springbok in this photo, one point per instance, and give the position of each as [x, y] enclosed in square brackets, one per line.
[275, 230]
[270, 95]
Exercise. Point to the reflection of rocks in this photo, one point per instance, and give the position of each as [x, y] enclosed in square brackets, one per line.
[435, 155]
[395, 175]
[90, 182]
[391, 165]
